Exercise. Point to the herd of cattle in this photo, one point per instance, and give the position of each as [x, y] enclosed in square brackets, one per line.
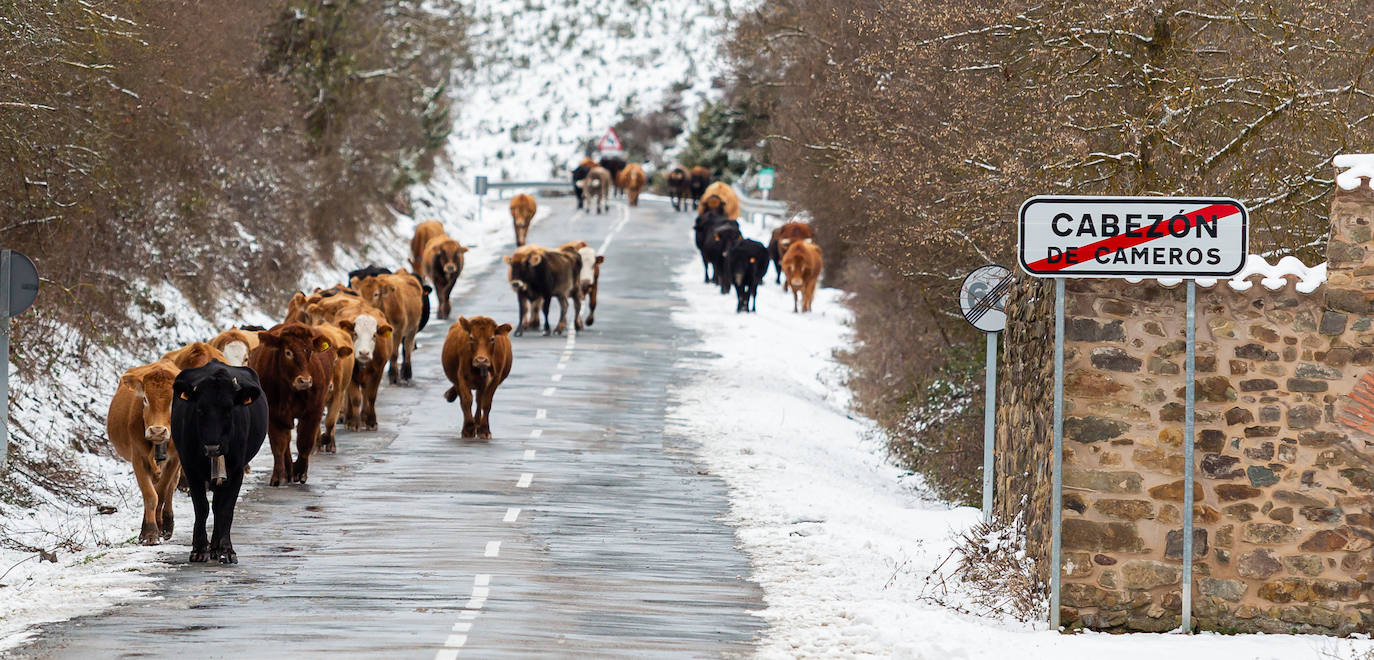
[204, 410]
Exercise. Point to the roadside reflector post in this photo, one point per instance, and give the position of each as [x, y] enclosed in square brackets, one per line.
[983, 302]
[1130, 237]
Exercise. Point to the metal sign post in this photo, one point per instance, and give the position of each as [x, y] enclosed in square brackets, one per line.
[18, 289]
[983, 301]
[1057, 462]
[1174, 237]
[479, 187]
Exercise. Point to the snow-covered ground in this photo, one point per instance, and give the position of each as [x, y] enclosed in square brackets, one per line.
[841, 540]
[552, 75]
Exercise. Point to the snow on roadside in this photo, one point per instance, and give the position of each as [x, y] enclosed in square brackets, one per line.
[841, 541]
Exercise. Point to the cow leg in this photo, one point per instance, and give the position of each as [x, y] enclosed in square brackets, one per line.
[143, 474]
[221, 546]
[393, 372]
[591, 306]
[331, 419]
[307, 431]
[369, 412]
[353, 411]
[562, 314]
[448, 292]
[577, 311]
[166, 485]
[200, 546]
[809, 296]
[465, 398]
[795, 294]
[406, 371]
[280, 437]
[706, 266]
[545, 305]
[484, 411]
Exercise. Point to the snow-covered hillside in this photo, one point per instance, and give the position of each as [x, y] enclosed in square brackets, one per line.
[552, 74]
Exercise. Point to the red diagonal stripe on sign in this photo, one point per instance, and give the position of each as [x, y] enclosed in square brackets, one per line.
[1122, 241]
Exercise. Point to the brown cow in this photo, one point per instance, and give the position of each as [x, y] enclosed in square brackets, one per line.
[294, 363]
[783, 238]
[400, 297]
[721, 195]
[424, 232]
[443, 262]
[596, 187]
[139, 426]
[522, 208]
[632, 179]
[802, 268]
[235, 344]
[371, 336]
[589, 278]
[340, 382]
[195, 354]
[477, 358]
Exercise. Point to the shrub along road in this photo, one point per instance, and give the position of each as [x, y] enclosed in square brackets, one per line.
[579, 529]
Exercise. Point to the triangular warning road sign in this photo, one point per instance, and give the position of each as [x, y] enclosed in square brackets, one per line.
[609, 142]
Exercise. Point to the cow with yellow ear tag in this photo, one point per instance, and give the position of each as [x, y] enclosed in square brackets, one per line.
[294, 363]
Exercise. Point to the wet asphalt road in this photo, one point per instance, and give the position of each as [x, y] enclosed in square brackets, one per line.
[579, 530]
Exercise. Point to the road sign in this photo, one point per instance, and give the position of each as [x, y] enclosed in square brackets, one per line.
[1132, 237]
[22, 280]
[765, 181]
[983, 297]
[610, 142]
[18, 288]
[479, 187]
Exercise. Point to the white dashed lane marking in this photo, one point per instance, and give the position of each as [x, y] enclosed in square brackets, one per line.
[525, 479]
[541, 413]
[556, 377]
[536, 433]
[548, 391]
[493, 549]
[529, 454]
[480, 591]
[511, 514]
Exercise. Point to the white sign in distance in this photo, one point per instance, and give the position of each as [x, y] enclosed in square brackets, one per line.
[983, 297]
[1133, 237]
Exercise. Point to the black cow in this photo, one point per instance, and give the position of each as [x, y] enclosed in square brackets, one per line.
[722, 238]
[747, 263]
[699, 179]
[578, 174]
[679, 188]
[775, 254]
[614, 164]
[705, 227]
[538, 276]
[219, 421]
[374, 270]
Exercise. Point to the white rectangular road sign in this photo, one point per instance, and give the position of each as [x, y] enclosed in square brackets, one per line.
[1132, 237]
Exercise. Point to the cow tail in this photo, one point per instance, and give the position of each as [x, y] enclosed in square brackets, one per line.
[451, 394]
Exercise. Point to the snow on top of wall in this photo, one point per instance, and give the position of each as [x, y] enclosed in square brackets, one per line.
[1275, 277]
[1360, 166]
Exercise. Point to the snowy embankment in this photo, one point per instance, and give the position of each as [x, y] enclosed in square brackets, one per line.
[842, 542]
[95, 561]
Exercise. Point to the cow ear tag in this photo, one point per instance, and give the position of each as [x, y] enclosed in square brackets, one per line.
[184, 397]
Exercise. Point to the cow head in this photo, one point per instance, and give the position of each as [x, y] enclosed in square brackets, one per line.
[207, 397]
[482, 333]
[152, 384]
[294, 344]
[449, 258]
[365, 329]
[372, 290]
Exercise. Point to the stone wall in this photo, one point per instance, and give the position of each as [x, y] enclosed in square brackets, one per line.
[1284, 486]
